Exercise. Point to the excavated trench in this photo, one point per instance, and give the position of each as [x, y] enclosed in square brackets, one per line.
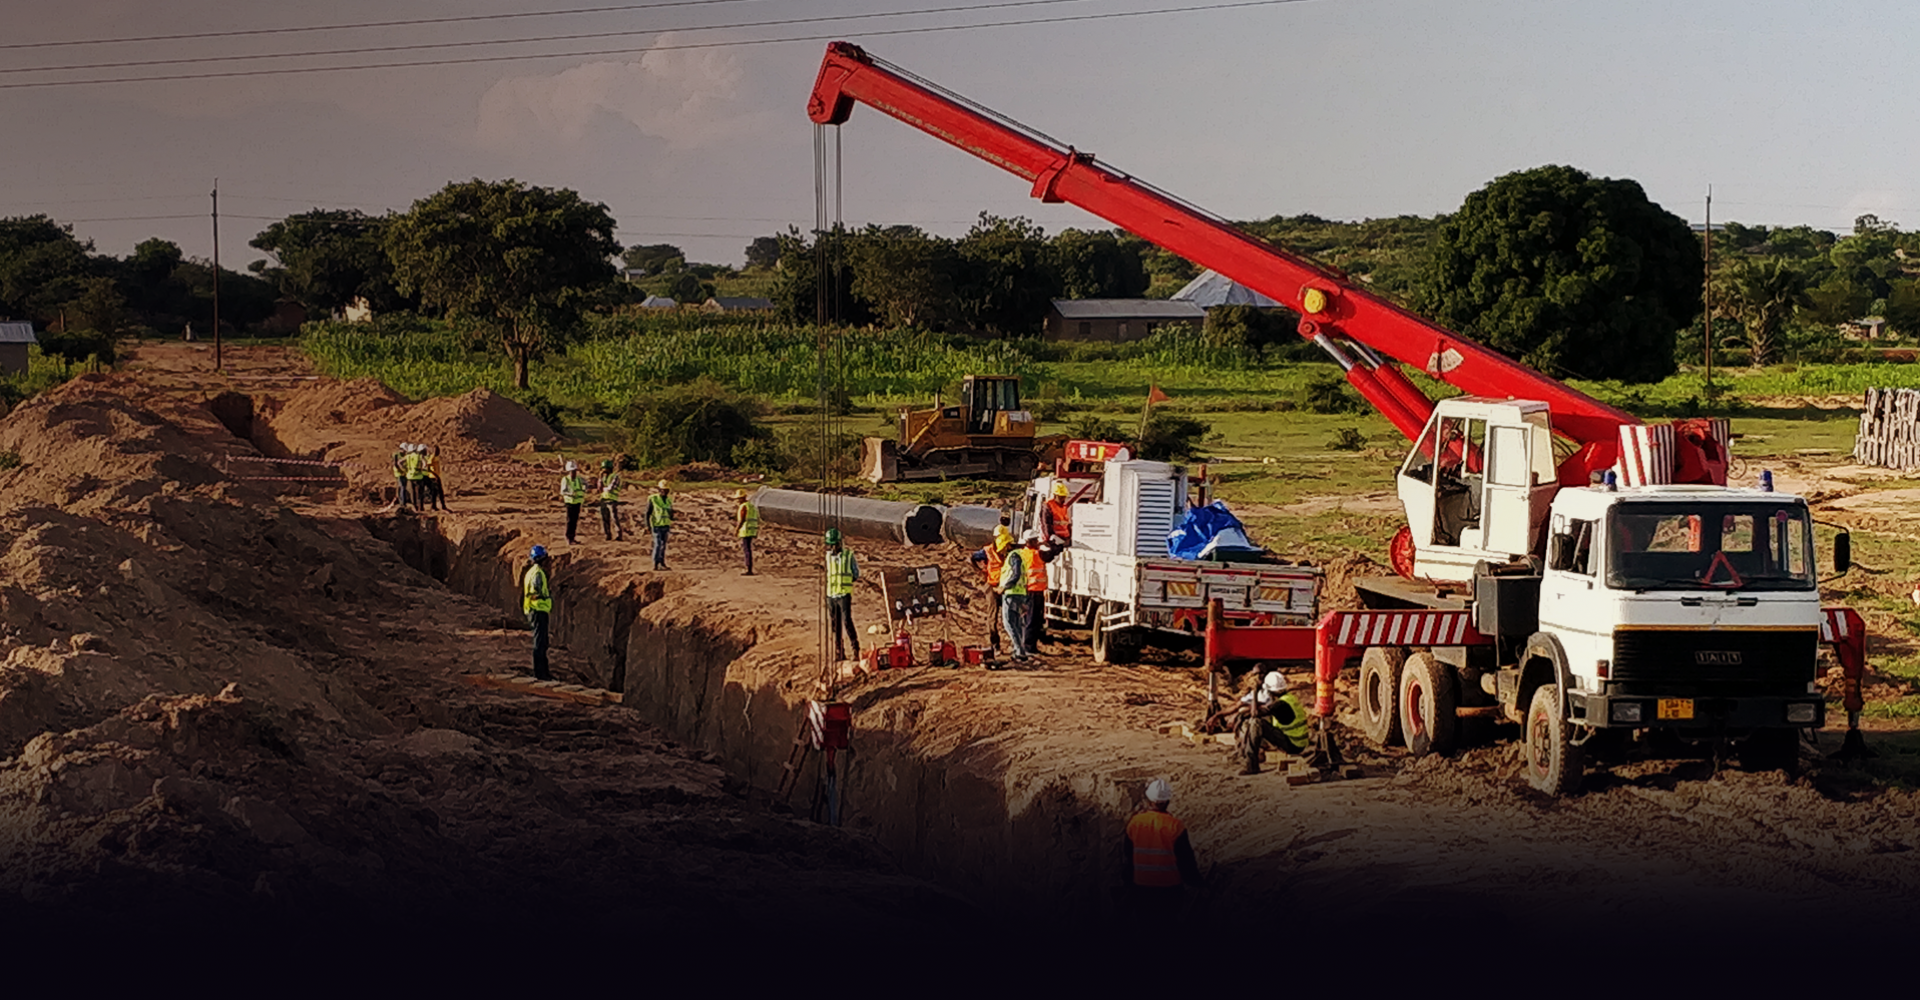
[732, 684]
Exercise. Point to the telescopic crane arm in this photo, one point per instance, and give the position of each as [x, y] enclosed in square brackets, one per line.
[1352, 325]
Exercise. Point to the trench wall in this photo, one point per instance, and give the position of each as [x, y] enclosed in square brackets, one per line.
[733, 681]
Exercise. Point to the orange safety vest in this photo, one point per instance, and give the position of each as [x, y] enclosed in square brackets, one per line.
[1036, 572]
[1062, 512]
[996, 559]
[1153, 834]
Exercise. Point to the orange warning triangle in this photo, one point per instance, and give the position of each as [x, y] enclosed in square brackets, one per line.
[1720, 562]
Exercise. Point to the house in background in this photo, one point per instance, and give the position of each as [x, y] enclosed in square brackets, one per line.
[15, 338]
[1212, 288]
[737, 305]
[1865, 328]
[1117, 320]
[659, 302]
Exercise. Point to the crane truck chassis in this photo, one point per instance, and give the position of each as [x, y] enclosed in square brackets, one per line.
[1564, 565]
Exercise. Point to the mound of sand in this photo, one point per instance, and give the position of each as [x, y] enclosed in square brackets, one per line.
[360, 422]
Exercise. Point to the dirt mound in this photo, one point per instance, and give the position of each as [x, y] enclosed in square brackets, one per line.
[359, 423]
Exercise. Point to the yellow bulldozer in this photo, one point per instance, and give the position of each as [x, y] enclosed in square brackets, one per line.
[989, 434]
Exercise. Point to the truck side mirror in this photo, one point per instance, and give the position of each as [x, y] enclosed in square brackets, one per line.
[1842, 552]
[1560, 551]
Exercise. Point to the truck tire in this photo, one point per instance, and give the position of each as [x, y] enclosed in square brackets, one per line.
[1553, 763]
[1427, 701]
[1379, 693]
[1771, 750]
[1115, 645]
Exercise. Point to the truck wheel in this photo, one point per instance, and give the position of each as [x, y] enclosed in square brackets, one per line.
[1427, 701]
[1379, 693]
[1771, 750]
[1115, 645]
[1554, 764]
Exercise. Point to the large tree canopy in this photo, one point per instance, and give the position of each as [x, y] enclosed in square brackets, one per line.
[1570, 273]
[521, 260]
[327, 259]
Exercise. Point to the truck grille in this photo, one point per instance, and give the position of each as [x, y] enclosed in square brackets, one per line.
[1657, 662]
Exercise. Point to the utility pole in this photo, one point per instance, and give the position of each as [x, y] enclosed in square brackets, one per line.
[1706, 289]
[216, 274]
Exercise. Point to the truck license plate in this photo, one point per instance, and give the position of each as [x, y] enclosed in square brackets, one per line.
[1676, 708]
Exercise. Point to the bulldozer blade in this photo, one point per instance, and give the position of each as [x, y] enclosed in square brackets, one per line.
[880, 460]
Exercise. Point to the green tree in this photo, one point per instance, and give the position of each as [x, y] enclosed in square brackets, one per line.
[1006, 275]
[905, 273]
[1097, 265]
[1902, 310]
[796, 291]
[521, 261]
[42, 267]
[1568, 272]
[1765, 295]
[326, 259]
[655, 258]
[763, 253]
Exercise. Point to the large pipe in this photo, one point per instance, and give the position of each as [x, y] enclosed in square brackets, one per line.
[970, 527]
[857, 517]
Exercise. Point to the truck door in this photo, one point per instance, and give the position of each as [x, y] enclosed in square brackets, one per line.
[1506, 513]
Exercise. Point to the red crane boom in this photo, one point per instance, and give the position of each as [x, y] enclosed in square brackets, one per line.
[1351, 324]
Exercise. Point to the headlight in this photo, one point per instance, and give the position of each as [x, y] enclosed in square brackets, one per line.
[1625, 711]
[1802, 711]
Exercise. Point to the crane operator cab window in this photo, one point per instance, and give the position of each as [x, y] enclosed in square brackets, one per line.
[987, 397]
[1449, 458]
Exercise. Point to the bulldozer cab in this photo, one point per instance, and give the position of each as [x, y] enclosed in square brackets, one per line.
[985, 398]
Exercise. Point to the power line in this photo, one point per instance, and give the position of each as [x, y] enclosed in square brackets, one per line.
[473, 43]
[471, 60]
[410, 22]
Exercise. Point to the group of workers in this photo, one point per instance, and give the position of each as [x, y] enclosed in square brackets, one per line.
[416, 477]
[1016, 576]
[574, 490]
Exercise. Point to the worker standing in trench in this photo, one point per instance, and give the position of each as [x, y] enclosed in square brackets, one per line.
[747, 518]
[536, 601]
[1159, 857]
[573, 493]
[843, 571]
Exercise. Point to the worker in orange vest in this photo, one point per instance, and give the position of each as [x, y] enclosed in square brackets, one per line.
[991, 559]
[1056, 517]
[1038, 554]
[1159, 856]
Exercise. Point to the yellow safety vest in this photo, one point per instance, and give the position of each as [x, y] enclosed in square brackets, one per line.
[610, 486]
[415, 464]
[1295, 732]
[534, 595]
[749, 520]
[659, 511]
[842, 570]
[1013, 574]
[573, 489]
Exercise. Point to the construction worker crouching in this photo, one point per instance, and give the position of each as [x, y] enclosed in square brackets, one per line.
[573, 493]
[1159, 856]
[843, 571]
[1013, 600]
[610, 501]
[991, 559]
[536, 601]
[747, 519]
[1281, 719]
[660, 519]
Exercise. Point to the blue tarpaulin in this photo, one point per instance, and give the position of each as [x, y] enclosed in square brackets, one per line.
[1206, 530]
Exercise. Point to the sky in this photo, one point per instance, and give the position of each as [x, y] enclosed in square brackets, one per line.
[691, 126]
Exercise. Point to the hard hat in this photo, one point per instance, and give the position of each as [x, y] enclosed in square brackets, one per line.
[572, 467]
[606, 465]
[739, 494]
[1159, 791]
[1029, 536]
[1002, 534]
[539, 552]
[833, 536]
[1060, 488]
[661, 485]
[1274, 682]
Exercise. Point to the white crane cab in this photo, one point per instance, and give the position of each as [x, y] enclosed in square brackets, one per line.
[1477, 485]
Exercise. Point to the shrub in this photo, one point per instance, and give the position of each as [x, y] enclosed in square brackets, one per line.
[1171, 436]
[1330, 394]
[699, 422]
[1092, 428]
[540, 406]
[9, 460]
[1347, 439]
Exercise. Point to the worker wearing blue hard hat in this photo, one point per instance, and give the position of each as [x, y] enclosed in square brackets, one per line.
[536, 600]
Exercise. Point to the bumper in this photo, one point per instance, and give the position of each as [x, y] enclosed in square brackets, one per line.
[1749, 712]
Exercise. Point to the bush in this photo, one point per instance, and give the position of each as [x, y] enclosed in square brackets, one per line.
[1347, 439]
[1171, 437]
[1330, 394]
[699, 422]
[9, 460]
[540, 406]
[1092, 428]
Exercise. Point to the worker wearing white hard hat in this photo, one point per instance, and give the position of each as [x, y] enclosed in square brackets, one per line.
[573, 493]
[1038, 554]
[400, 475]
[1279, 720]
[1159, 855]
[413, 466]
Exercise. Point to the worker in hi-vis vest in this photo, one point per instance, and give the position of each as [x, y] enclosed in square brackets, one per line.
[747, 519]
[536, 600]
[843, 571]
[660, 520]
[610, 501]
[573, 493]
[1159, 857]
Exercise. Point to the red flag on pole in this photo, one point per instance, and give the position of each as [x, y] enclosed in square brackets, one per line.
[1154, 395]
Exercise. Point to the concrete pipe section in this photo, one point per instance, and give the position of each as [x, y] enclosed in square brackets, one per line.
[970, 527]
[857, 517]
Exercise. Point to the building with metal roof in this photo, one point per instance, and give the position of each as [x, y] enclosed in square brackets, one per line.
[1212, 288]
[15, 339]
[1118, 319]
[729, 305]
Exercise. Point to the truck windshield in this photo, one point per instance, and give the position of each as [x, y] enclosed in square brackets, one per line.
[1710, 545]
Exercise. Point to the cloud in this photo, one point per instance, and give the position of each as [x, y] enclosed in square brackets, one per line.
[688, 98]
